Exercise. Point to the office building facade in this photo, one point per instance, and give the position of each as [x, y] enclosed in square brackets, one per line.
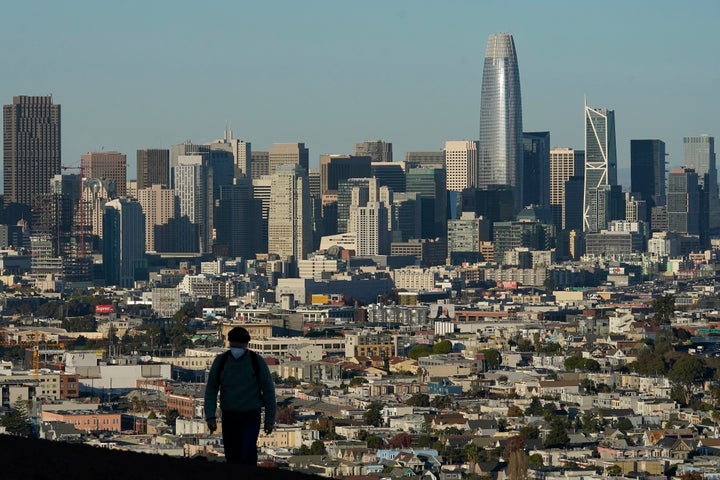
[683, 201]
[159, 207]
[287, 154]
[647, 171]
[153, 167]
[461, 164]
[600, 165]
[123, 242]
[107, 165]
[289, 219]
[377, 150]
[501, 144]
[564, 164]
[31, 148]
[336, 168]
[536, 168]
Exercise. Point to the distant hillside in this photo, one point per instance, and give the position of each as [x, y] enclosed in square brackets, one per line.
[27, 459]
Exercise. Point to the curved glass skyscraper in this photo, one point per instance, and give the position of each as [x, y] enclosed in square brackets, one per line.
[500, 160]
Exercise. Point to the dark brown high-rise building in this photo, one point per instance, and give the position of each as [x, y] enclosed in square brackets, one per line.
[106, 165]
[31, 139]
[153, 167]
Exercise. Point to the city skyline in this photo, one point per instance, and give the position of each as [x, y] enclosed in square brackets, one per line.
[131, 88]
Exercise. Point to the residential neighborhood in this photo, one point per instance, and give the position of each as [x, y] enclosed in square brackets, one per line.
[588, 382]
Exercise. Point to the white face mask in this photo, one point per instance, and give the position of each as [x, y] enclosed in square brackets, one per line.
[237, 352]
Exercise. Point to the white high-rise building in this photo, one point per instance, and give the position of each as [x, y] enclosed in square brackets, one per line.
[373, 234]
[194, 190]
[289, 218]
[461, 163]
[564, 163]
[600, 167]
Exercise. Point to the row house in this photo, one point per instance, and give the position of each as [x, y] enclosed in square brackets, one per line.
[86, 420]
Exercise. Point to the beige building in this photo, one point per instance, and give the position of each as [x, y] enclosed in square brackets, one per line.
[289, 216]
[461, 160]
[158, 205]
[287, 153]
[564, 163]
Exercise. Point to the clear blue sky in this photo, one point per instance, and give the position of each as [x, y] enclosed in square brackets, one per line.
[138, 74]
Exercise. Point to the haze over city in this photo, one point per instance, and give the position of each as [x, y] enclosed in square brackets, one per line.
[137, 75]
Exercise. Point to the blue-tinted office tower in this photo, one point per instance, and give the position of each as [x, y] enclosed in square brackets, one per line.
[647, 171]
[234, 220]
[123, 242]
[536, 168]
[700, 156]
[500, 160]
[430, 184]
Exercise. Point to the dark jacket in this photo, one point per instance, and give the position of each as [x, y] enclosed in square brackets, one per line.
[238, 387]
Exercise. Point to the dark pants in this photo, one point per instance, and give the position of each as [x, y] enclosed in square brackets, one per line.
[240, 432]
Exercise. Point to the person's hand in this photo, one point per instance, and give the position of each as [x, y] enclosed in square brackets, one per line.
[268, 428]
[212, 425]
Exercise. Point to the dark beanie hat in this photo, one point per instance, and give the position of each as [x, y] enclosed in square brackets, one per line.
[238, 335]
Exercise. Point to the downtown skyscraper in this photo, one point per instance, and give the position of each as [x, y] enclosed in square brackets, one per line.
[500, 159]
[647, 171]
[699, 154]
[599, 203]
[31, 139]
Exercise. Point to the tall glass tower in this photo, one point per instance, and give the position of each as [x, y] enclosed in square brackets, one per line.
[501, 134]
[700, 156]
[600, 166]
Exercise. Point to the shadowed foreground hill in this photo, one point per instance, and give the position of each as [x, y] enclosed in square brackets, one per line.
[22, 458]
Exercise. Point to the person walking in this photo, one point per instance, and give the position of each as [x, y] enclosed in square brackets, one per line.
[245, 385]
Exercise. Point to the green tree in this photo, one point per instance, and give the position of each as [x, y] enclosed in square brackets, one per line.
[442, 347]
[590, 422]
[373, 441]
[687, 371]
[573, 362]
[529, 432]
[557, 437]
[535, 461]
[624, 425]
[441, 402]
[535, 408]
[317, 448]
[493, 359]
[17, 422]
[551, 348]
[80, 324]
[419, 400]
[419, 351]
[525, 345]
[170, 417]
[373, 414]
[649, 363]
[613, 470]
[664, 307]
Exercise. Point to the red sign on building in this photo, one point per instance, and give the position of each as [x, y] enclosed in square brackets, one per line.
[104, 309]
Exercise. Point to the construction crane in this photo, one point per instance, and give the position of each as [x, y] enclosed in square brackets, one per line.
[35, 344]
